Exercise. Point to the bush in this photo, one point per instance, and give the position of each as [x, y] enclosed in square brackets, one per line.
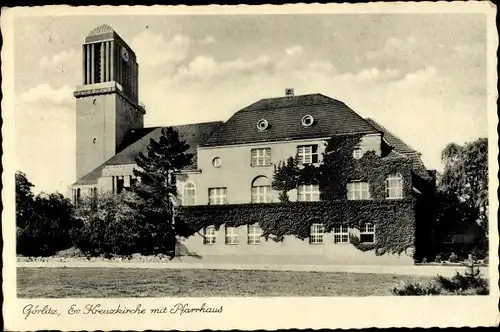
[480, 252]
[109, 227]
[49, 227]
[469, 283]
[112, 227]
[408, 288]
[70, 252]
[439, 258]
[453, 258]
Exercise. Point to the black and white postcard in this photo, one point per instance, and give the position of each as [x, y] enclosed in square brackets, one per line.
[250, 167]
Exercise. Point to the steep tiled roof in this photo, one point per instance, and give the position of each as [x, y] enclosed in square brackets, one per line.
[193, 134]
[284, 115]
[404, 149]
[393, 140]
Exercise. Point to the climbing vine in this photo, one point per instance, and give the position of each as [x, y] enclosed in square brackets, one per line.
[339, 167]
[394, 220]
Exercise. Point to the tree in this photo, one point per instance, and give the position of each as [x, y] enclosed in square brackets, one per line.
[285, 178]
[156, 189]
[109, 226]
[465, 177]
[24, 199]
[49, 226]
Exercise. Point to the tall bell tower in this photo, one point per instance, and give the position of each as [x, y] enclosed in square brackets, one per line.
[107, 104]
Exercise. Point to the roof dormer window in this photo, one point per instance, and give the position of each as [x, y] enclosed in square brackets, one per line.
[262, 124]
[307, 120]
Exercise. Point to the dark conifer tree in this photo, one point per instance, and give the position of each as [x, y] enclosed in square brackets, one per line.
[285, 178]
[157, 188]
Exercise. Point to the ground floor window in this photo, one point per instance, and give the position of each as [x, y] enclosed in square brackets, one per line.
[76, 196]
[367, 234]
[254, 234]
[231, 235]
[317, 234]
[341, 234]
[209, 235]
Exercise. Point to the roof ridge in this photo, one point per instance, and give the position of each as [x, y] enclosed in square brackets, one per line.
[264, 107]
[184, 124]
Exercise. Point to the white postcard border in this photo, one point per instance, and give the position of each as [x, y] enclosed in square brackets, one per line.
[250, 313]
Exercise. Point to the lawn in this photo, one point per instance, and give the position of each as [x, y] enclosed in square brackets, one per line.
[128, 282]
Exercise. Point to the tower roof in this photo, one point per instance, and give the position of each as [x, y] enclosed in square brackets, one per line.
[101, 29]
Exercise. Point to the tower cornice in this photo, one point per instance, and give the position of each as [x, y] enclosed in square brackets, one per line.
[106, 88]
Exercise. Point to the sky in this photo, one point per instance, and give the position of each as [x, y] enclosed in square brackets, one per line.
[423, 77]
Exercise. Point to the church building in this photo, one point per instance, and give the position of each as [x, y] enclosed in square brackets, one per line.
[234, 160]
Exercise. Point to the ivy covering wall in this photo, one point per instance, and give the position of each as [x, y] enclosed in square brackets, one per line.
[394, 219]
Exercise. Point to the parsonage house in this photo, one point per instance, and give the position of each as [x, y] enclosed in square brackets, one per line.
[363, 196]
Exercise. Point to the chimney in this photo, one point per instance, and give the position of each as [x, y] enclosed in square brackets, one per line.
[289, 92]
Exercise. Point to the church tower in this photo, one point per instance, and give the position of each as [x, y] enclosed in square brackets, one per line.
[107, 104]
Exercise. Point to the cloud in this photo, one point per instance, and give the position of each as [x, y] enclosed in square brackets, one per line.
[153, 49]
[422, 106]
[46, 95]
[394, 46]
[208, 40]
[45, 137]
[206, 69]
[294, 50]
[370, 75]
[322, 67]
[62, 58]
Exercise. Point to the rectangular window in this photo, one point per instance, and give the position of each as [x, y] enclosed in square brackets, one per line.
[307, 154]
[261, 194]
[394, 186]
[209, 235]
[217, 196]
[254, 234]
[341, 234]
[231, 235]
[77, 196]
[308, 193]
[120, 184]
[367, 233]
[358, 190]
[317, 234]
[261, 157]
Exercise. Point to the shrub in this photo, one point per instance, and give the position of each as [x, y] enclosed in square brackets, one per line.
[113, 227]
[439, 258]
[469, 283]
[49, 227]
[471, 280]
[480, 252]
[453, 258]
[70, 252]
[109, 227]
[408, 288]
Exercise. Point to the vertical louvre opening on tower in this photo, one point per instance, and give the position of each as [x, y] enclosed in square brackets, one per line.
[97, 63]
